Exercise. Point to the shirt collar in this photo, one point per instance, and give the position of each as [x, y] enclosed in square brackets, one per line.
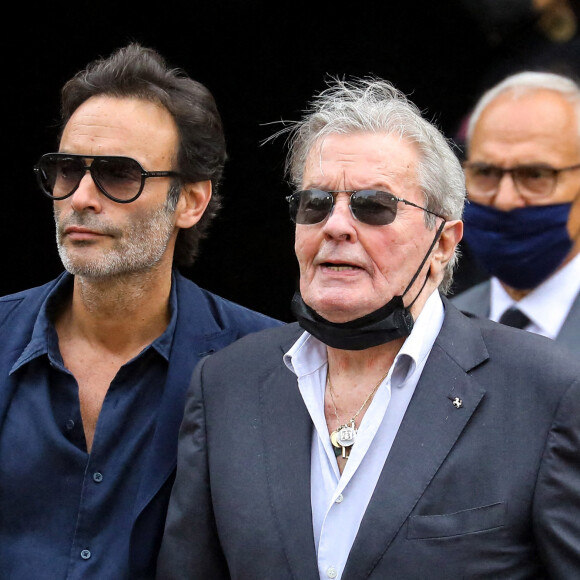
[307, 355]
[548, 305]
[43, 326]
[163, 343]
[41, 340]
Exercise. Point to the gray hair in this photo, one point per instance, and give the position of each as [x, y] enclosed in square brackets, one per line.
[373, 105]
[523, 83]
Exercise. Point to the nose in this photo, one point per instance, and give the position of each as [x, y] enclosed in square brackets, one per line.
[507, 196]
[340, 224]
[87, 196]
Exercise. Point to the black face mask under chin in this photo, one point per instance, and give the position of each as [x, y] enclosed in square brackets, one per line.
[391, 321]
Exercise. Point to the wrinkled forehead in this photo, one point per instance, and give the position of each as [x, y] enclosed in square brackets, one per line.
[360, 156]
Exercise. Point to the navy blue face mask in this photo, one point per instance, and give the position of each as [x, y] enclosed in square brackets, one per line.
[522, 247]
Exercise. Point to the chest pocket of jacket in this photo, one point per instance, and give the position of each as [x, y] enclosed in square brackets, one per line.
[455, 524]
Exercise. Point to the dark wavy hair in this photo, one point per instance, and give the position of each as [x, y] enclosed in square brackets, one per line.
[138, 72]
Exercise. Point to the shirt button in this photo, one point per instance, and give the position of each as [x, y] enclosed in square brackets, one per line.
[70, 424]
[339, 498]
[97, 477]
[331, 572]
[85, 554]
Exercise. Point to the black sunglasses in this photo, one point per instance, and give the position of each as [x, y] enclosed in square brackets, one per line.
[121, 179]
[369, 206]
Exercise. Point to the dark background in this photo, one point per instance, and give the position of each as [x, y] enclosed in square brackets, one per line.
[262, 62]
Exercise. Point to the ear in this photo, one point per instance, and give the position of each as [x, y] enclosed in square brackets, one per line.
[448, 240]
[192, 203]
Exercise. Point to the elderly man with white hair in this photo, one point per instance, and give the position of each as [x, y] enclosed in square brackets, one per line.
[384, 434]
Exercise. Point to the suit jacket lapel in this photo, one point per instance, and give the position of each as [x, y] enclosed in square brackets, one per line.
[10, 349]
[17, 319]
[196, 335]
[444, 400]
[475, 300]
[287, 450]
[569, 335]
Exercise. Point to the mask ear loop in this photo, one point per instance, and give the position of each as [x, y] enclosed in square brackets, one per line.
[435, 240]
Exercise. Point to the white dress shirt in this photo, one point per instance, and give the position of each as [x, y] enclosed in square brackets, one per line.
[340, 501]
[547, 306]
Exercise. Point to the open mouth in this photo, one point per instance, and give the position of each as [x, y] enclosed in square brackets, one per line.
[340, 267]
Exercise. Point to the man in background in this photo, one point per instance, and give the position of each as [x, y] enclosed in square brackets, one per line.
[522, 224]
[95, 364]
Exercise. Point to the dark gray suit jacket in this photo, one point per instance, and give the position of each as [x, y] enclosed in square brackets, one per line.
[487, 490]
[476, 300]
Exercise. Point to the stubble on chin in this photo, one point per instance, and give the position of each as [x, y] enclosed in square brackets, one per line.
[137, 247]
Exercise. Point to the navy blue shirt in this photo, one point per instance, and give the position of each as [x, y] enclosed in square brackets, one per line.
[72, 519]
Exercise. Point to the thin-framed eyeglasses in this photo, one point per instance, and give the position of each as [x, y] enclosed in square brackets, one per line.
[369, 206]
[531, 181]
[121, 179]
